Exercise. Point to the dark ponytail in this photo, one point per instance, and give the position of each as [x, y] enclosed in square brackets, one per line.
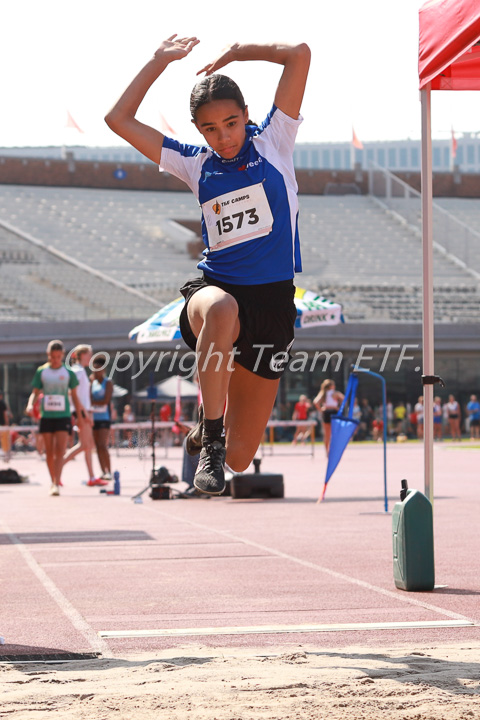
[216, 87]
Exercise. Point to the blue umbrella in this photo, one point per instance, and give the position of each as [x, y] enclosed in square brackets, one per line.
[312, 311]
[343, 427]
[162, 326]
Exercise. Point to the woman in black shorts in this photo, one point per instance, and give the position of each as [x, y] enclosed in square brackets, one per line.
[54, 380]
[101, 395]
[328, 401]
[239, 315]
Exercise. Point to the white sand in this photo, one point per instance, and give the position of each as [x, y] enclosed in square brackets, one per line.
[295, 682]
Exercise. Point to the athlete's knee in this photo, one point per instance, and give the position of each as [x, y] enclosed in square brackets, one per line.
[223, 311]
[213, 307]
[239, 458]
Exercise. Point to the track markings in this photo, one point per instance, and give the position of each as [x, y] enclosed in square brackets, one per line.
[77, 620]
[398, 596]
[282, 629]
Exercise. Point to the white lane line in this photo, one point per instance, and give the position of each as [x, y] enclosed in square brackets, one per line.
[77, 620]
[65, 547]
[135, 561]
[107, 535]
[282, 629]
[399, 595]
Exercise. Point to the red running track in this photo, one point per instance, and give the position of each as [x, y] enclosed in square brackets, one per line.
[83, 563]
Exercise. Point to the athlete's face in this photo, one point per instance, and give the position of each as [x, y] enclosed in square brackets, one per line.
[222, 124]
[55, 358]
[85, 358]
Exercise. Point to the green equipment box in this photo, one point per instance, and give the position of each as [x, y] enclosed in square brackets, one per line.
[413, 557]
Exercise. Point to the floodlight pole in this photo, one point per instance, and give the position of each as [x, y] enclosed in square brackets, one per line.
[427, 326]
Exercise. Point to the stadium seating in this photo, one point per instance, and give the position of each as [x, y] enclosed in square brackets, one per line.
[353, 252]
[36, 286]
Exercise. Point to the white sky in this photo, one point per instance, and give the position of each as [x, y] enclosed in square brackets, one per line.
[59, 54]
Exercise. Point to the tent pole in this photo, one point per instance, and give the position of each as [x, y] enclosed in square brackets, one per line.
[427, 326]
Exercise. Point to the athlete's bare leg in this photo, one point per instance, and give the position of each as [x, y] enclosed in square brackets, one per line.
[250, 403]
[327, 434]
[55, 445]
[85, 444]
[101, 442]
[213, 317]
[48, 444]
[60, 441]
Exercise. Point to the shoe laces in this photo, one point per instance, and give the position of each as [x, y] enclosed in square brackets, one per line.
[214, 457]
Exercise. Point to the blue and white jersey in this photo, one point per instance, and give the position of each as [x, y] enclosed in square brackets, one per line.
[249, 203]
[98, 392]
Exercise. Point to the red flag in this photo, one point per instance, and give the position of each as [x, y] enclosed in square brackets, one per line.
[355, 141]
[165, 127]
[454, 146]
[72, 124]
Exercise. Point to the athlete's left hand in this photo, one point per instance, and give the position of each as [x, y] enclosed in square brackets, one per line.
[226, 56]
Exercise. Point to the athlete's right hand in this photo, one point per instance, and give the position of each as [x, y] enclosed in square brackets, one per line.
[175, 48]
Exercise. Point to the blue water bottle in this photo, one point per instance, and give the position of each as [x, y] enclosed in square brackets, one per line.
[116, 483]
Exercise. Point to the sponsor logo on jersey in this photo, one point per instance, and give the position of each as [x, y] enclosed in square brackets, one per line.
[217, 208]
[251, 164]
[208, 174]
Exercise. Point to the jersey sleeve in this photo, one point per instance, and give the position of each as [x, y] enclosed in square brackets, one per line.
[72, 379]
[280, 130]
[183, 161]
[37, 378]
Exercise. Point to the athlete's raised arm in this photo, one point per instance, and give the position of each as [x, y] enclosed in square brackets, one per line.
[121, 118]
[294, 58]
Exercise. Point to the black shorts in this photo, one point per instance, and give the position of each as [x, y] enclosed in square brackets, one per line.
[327, 415]
[267, 316]
[51, 425]
[474, 423]
[101, 424]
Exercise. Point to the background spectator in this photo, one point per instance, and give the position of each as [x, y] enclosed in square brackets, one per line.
[4, 423]
[366, 419]
[399, 415]
[437, 419]
[454, 418]
[473, 410]
[328, 401]
[419, 410]
[300, 412]
[128, 417]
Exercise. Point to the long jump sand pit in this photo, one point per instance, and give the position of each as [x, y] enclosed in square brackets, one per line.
[293, 682]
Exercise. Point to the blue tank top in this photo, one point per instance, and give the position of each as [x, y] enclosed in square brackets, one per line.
[100, 412]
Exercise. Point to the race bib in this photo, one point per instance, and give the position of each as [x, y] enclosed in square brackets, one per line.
[237, 217]
[99, 408]
[54, 403]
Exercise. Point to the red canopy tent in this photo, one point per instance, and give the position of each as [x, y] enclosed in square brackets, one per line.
[448, 59]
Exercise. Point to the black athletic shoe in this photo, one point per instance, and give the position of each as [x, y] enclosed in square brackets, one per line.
[193, 441]
[192, 492]
[210, 475]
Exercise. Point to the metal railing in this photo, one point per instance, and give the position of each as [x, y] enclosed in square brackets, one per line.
[453, 238]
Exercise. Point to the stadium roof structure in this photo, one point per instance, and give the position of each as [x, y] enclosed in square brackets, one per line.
[449, 59]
